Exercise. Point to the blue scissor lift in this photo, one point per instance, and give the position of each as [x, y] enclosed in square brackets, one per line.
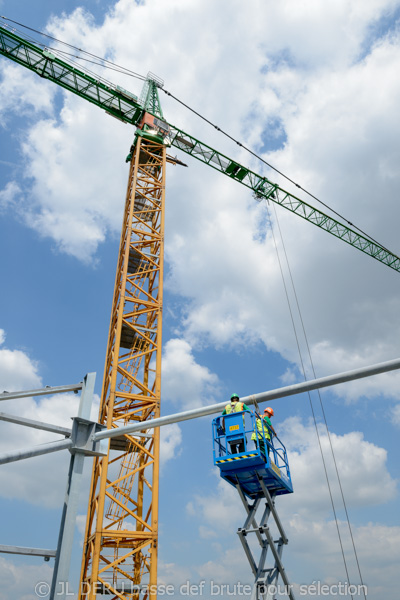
[259, 470]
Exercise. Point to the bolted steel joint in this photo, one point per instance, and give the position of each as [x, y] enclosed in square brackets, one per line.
[82, 438]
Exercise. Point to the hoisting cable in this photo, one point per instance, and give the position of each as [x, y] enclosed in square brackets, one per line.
[320, 401]
[125, 71]
[319, 395]
[309, 395]
[276, 170]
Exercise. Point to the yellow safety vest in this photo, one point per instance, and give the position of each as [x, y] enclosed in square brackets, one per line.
[238, 408]
[261, 427]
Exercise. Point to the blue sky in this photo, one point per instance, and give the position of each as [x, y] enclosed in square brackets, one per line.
[316, 91]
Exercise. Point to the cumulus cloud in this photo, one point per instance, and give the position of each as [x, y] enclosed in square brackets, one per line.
[395, 415]
[173, 574]
[320, 82]
[33, 479]
[314, 551]
[217, 510]
[23, 93]
[9, 195]
[316, 92]
[361, 465]
[17, 370]
[70, 203]
[362, 468]
[20, 580]
[186, 383]
[170, 441]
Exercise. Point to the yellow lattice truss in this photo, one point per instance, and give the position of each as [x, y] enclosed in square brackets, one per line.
[120, 548]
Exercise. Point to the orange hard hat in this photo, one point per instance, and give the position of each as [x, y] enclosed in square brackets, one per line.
[269, 410]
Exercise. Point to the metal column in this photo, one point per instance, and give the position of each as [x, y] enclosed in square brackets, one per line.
[81, 443]
[59, 586]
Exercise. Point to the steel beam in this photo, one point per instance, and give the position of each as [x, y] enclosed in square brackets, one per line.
[46, 391]
[289, 390]
[35, 424]
[27, 551]
[8, 457]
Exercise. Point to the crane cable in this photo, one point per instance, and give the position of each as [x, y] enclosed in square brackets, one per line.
[320, 400]
[108, 64]
[125, 71]
[277, 171]
[310, 400]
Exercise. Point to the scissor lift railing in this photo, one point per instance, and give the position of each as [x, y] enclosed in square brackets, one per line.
[259, 473]
[241, 459]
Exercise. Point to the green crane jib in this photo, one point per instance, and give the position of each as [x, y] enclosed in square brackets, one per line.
[128, 108]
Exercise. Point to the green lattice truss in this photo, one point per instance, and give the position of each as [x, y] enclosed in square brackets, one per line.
[125, 106]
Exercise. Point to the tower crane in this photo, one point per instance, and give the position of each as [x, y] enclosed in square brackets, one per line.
[121, 535]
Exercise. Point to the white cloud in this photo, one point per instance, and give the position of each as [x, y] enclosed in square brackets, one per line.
[206, 533]
[8, 195]
[170, 441]
[20, 581]
[186, 383]
[23, 93]
[325, 76]
[33, 480]
[171, 573]
[361, 465]
[289, 376]
[71, 203]
[313, 552]
[232, 567]
[218, 509]
[395, 415]
[17, 370]
[332, 91]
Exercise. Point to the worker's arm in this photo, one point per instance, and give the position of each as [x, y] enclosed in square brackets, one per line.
[245, 407]
[269, 425]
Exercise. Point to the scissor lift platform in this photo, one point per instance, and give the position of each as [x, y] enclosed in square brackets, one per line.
[261, 473]
[252, 464]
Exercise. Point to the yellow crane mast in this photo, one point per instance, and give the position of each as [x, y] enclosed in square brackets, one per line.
[120, 548]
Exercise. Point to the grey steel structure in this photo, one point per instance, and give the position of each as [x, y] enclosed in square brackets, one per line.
[87, 438]
[283, 392]
[80, 443]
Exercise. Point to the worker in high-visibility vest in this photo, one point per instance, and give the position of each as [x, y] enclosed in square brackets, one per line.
[263, 425]
[235, 406]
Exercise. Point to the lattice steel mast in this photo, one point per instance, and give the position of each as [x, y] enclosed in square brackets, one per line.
[120, 549]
